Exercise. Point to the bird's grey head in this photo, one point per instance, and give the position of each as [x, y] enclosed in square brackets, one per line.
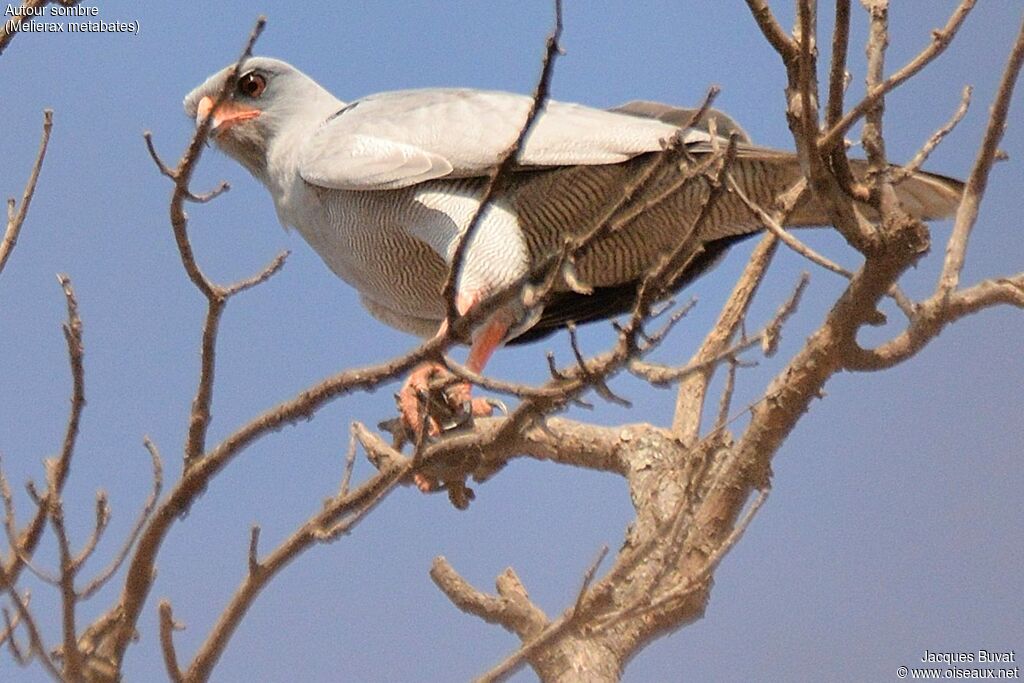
[269, 98]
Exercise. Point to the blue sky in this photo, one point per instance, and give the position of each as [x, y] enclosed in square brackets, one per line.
[895, 522]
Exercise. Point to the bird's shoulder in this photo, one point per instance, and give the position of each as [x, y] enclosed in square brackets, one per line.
[402, 138]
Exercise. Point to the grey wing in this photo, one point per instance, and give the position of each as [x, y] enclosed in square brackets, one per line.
[724, 124]
[404, 138]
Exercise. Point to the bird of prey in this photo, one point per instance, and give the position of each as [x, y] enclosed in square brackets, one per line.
[383, 187]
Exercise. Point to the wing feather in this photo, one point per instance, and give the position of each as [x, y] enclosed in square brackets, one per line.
[402, 138]
[365, 162]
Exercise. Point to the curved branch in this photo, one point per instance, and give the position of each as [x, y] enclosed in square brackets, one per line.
[350, 509]
[693, 389]
[772, 30]
[932, 317]
[510, 609]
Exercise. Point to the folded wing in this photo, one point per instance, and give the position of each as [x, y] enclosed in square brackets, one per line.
[404, 138]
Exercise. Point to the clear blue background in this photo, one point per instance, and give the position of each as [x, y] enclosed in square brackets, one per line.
[895, 521]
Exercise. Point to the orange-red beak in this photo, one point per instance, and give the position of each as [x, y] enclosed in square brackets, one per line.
[226, 115]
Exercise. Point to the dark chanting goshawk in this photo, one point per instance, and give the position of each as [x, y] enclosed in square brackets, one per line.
[383, 188]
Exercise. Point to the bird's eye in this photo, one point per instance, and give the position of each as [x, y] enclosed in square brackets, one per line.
[252, 84]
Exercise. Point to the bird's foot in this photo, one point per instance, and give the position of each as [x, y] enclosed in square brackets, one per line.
[431, 401]
[460, 398]
[416, 396]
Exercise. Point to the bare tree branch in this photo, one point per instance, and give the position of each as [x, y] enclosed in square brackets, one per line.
[70, 654]
[772, 30]
[16, 213]
[36, 646]
[838, 76]
[338, 516]
[26, 543]
[167, 628]
[947, 304]
[694, 495]
[551, 631]
[977, 181]
[118, 559]
[941, 38]
[102, 518]
[693, 390]
[914, 165]
[511, 609]
[11, 27]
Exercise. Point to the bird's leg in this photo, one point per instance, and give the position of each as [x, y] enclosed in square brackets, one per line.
[486, 340]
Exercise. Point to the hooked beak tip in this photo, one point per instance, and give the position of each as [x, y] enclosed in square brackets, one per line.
[204, 107]
[223, 117]
[203, 110]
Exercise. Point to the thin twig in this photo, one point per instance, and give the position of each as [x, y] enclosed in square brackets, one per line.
[28, 540]
[115, 563]
[699, 578]
[15, 218]
[29, 8]
[102, 518]
[36, 647]
[270, 270]
[725, 400]
[10, 624]
[940, 41]
[914, 165]
[588, 578]
[551, 633]
[837, 78]
[350, 463]
[20, 557]
[167, 628]
[70, 654]
[881, 193]
[977, 181]
[693, 390]
[254, 549]
[350, 509]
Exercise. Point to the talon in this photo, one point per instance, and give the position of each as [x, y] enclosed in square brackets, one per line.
[500, 405]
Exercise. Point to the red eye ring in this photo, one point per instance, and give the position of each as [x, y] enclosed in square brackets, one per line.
[252, 84]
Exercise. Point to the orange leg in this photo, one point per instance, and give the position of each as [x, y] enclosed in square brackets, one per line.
[485, 342]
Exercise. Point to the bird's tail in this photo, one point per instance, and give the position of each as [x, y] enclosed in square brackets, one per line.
[930, 196]
[927, 196]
